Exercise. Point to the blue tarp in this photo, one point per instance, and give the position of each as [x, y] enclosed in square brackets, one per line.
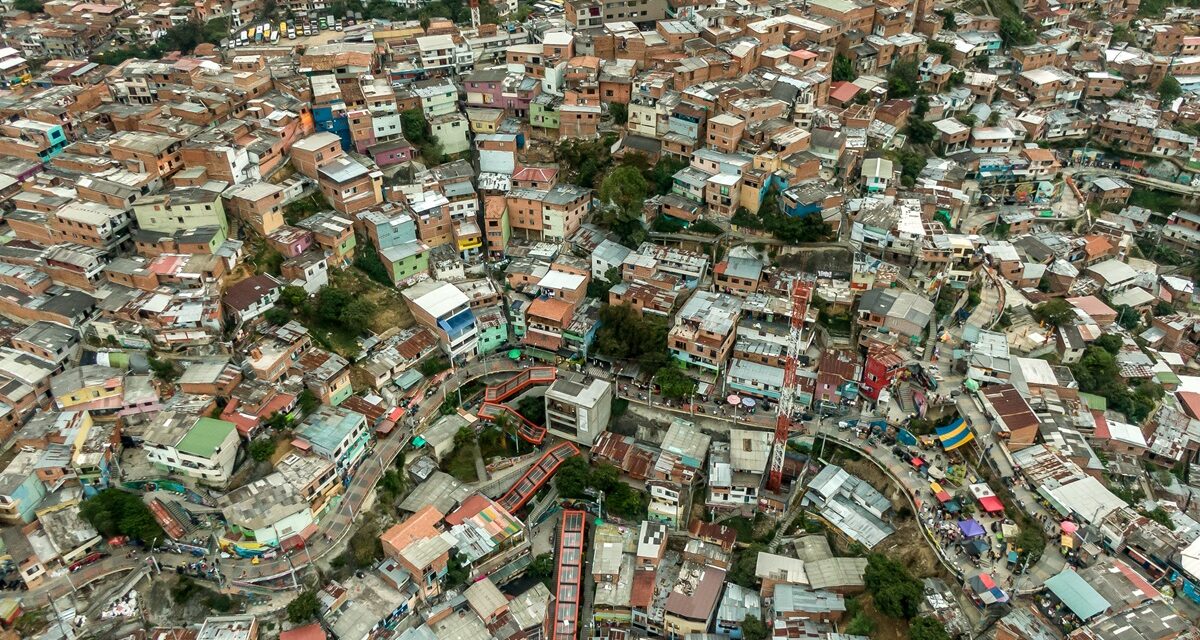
[904, 436]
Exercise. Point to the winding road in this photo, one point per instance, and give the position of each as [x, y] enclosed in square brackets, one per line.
[275, 573]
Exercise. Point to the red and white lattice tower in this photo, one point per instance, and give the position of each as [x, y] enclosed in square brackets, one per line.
[801, 295]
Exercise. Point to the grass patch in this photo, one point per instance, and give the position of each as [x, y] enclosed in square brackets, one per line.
[298, 210]
[1159, 201]
[390, 312]
[742, 525]
[460, 463]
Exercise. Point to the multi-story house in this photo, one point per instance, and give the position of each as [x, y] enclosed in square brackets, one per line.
[181, 209]
[446, 311]
[201, 448]
[326, 374]
[336, 434]
[704, 330]
[32, 140]
[91, 224]
[349, 186]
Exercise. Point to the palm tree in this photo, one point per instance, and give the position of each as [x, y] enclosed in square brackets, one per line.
[504, 424]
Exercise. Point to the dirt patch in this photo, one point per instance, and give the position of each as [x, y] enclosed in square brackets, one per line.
[390, 310]
[885, 628]
[907, 544]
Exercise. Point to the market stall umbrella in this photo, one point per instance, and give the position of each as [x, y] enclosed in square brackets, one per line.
[749, 402]
[514, 354]
[973, 385]
[971, 528]
[986, 589]
[734, 399]
[954, 435]
[1069, 527]
[977, 547]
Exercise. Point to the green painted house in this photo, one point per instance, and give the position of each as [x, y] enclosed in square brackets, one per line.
[544, 111]
[492, 329]
[404, 261]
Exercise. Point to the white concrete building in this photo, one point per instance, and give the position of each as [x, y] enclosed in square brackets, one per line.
[198, 447]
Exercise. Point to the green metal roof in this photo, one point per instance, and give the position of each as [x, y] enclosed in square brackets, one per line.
[1094, 402]
[1079, 596]
[205, 436]
[408, 379]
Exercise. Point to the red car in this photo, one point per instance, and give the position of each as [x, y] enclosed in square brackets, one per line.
[90, 558]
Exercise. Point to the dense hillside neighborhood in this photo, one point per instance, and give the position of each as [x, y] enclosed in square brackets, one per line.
[599, 320]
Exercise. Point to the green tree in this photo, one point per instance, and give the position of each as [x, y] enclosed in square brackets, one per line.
[457, 571]
[921, 106]
[745, 562]
[31, 6]
[392, 483]
[542, 568]
[993, 119]
[367, 259]
[414, 126]
[948, 23]
[308, 401]
[1128, 317]
[624, 191]
[277, 421]
[165, 370]
[262, 449]
[1056, 312]
[903, 78]
[357, 315]
[619, 112]
[674, 383]
[572, 477]
[896, 593]
[30, 624]
[304, 608]
[585, 161]
[331, 301]
[753, 628]
[624, 335]
[1110, 342]
[927, 628]
[278, 315]
[921, 131]
[432, 366]
[113, 512]
[533, 408]
[939, 48]
[911, 164]
[843, 69]
[860, 625]
[1014, 32]
[1169, 89]
[598, 287]
[365, 546]
[625, 502]
[661, 176]
[604, 477]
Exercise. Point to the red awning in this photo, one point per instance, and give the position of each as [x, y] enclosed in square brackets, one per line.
[385, 427]
[916, 462]
[943, 496]
[991, 504]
